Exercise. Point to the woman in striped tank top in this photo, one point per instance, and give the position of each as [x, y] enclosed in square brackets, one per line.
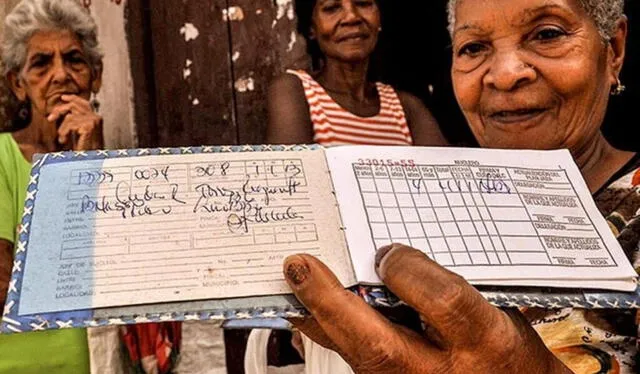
[337, 104]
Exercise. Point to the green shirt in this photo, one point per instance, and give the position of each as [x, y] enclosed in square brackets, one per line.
[48, 352]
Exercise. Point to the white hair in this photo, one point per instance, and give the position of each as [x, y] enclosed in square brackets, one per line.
[31, 16]
[605, 14]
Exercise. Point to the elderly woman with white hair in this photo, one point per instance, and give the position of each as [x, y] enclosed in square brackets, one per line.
[527, 74]
[53, 67]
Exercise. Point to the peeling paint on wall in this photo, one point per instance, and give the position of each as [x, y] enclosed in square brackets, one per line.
[189, 31]
[292, 41]
[245, 84]
[186, 72]
[285, 7]
[235, 56]
[233, 13]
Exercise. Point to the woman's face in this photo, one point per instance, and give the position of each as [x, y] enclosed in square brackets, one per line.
[346, 30]
[532, 74]
[56, 65]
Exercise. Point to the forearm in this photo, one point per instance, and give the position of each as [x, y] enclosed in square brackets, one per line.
[425, 130]
[6, 264]
[292, 136]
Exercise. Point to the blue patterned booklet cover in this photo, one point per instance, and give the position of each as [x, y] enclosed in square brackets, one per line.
[132, 236]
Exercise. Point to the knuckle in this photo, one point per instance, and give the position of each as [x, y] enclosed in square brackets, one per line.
[322, 305]
[503, 338]
[453, 292]
[381, 357]
[455, 302]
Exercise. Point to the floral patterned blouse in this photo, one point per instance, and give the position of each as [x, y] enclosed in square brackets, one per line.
[599, 340]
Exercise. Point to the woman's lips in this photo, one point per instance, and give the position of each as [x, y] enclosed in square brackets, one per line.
[58, 94]
[517, 116]
[353, 37]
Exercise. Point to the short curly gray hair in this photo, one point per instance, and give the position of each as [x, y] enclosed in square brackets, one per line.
[31, 16]
[605, 13]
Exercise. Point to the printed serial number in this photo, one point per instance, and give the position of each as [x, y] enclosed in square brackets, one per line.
[383, 162]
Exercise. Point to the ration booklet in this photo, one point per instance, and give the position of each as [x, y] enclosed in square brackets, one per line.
[106, 230]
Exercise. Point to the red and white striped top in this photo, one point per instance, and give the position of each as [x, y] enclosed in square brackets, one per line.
[334, 125]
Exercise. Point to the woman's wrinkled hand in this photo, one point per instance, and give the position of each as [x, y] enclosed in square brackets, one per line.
[463, 332]
[80, 127]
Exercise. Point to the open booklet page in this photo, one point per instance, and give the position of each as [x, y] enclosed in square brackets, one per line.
[496, 217]
[136, 230]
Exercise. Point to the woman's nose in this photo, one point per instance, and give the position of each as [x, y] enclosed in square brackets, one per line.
[59, 72]
[509, 71]
[352, 14]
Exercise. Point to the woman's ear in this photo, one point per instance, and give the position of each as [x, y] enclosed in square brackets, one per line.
[16, 85]
[617, 48]
[97, 80]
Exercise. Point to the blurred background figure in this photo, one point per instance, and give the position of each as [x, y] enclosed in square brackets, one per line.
[339, 101]
[53, 65]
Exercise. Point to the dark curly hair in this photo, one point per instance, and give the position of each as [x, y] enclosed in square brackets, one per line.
[304, 12]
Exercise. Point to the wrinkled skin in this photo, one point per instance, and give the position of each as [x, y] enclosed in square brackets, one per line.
[463, 334]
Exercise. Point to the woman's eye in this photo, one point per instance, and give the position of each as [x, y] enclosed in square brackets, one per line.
[329, 8]
[471, 49]
[364, 3]
[548, 34]
[39, 62]
[76, 60]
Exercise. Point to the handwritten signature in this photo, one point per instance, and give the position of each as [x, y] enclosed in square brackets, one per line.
[493, 185]
[489, 184]
[131, 204]
[241, 205]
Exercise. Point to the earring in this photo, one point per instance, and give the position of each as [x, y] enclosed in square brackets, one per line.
[22, 117]
[95, 104]
[24, 111]
[380, 29]
[618, 89]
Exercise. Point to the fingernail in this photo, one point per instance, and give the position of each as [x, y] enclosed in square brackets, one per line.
[50, 117]
[381, 253]
[297, 271]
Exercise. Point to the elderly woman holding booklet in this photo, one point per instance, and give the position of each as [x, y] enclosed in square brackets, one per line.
[53, 66]
[532, 74]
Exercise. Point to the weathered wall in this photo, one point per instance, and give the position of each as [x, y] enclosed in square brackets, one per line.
[182, 72]
[116, 95]
[201, 69]
[263, 44]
